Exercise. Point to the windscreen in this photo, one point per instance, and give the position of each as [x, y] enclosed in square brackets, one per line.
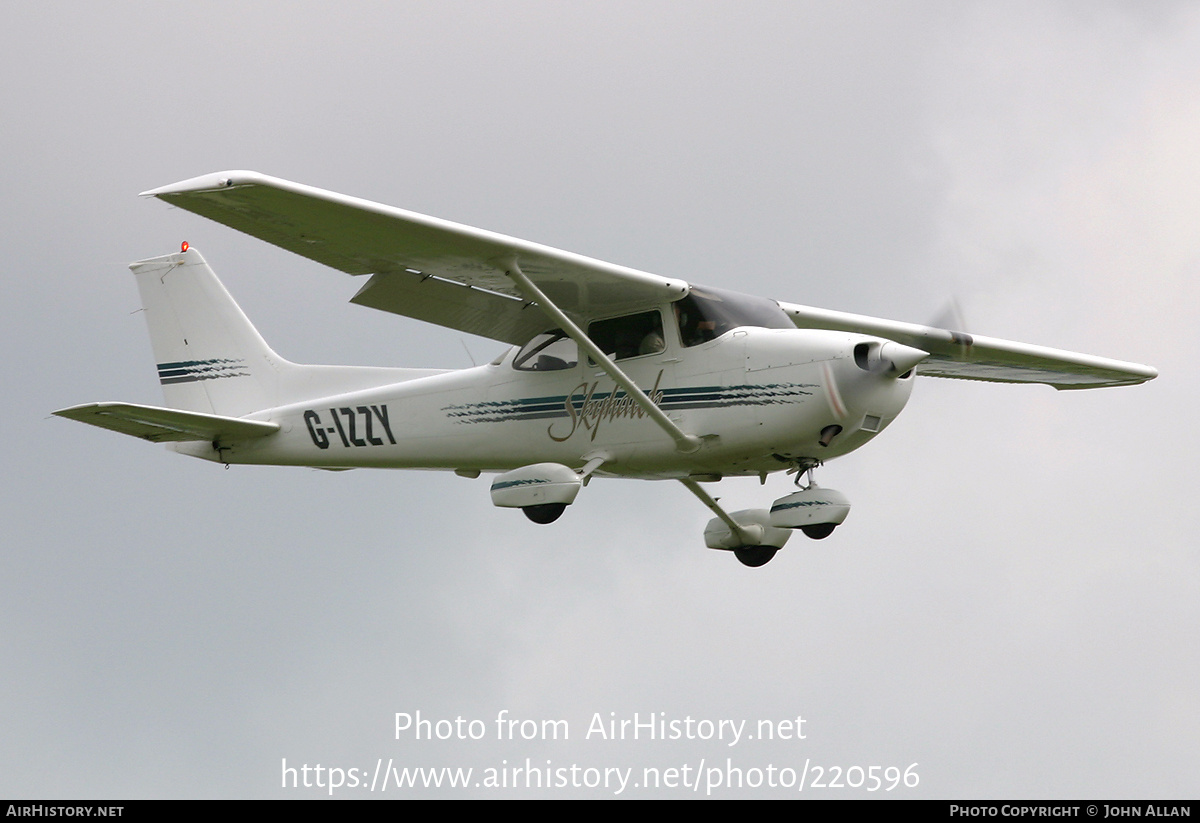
[707, 313]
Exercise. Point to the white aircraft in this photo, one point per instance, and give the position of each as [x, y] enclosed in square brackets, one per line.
[613, 372]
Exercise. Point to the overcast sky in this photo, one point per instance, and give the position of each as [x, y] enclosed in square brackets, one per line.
[1012, 603]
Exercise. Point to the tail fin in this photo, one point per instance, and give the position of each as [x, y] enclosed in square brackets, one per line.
[210, 357]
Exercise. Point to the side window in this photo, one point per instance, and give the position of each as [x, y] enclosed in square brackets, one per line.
[630, 336]
[549, 351]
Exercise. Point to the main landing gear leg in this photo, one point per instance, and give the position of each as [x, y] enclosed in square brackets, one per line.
[749, 541]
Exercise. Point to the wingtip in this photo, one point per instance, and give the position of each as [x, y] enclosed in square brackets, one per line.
[207, 182]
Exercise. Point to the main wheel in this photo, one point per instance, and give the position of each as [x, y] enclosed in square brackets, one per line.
[545, 512]
[755, 556]
[820, 531]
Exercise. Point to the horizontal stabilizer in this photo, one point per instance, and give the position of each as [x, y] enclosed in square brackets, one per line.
[160, 425]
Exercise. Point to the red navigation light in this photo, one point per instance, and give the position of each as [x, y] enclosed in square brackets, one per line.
[183, 246]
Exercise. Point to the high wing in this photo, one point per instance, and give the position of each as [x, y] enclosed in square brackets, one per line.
[459, 277]
[422, 267]
[973, 357]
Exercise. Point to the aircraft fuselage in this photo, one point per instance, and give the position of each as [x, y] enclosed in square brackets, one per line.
[761, 400]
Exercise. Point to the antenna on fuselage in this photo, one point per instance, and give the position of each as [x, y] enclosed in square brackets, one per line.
[468, 351]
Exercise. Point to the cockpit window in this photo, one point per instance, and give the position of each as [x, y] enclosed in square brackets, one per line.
[549, 351]
[629, 336]
[706, 314]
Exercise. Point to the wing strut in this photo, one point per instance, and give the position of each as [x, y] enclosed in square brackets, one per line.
[749, 535]
[686, 443]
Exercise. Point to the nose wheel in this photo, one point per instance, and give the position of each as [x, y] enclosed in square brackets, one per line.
[819, 531]
[810, 497]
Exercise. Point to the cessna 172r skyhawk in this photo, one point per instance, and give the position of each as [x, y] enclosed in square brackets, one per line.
[613, 371]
